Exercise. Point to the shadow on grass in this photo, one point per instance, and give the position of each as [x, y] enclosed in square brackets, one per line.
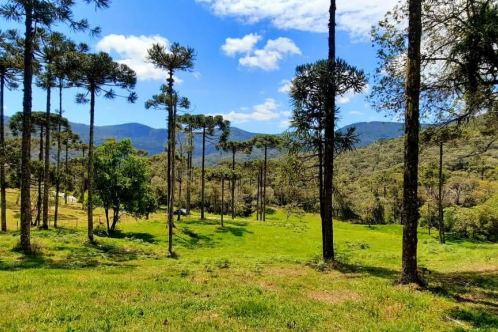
[192, 240]
[213, 222]
[235, 231]
[474, 292]
[144, 237]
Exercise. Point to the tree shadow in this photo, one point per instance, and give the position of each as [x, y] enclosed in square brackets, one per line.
[144, 237]
[212, 222]
[193, 240]
[235, 231]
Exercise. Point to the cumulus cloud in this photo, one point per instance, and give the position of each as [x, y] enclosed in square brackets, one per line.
[266, 58]
[354, 16]
[348, 96]
[356, 113]
[267, 111]
[132, 51]
[246, 44]
[285, 86]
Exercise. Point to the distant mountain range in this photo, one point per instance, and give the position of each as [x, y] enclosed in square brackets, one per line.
[154, 140]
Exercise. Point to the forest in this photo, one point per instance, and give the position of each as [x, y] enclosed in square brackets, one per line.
[317, 228]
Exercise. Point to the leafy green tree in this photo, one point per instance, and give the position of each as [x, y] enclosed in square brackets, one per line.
[42, 14]
[234, 147]
[121, 182]
[176, 58]
[98, 74]
[10, 69]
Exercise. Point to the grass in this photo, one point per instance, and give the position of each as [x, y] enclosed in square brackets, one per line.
[250, 275]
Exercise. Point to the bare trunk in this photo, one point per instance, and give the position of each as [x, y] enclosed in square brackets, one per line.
[222, 200]
[233, 184]
[409, 272]
[264, 183]
[3, 192]
[442, 237]
[189, 168]
[203, 175]
[328, 162]
[46, 172]
[58, 170]
[26, 133]
[40, 177]
[66, 170]
[90, 166]
[257, 196]
[171, 162]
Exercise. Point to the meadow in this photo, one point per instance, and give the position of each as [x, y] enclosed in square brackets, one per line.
[249, 275]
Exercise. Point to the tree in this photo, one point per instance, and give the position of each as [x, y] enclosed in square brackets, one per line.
[35, 13]
[10, 68]
[98, 74]
[234, 147]
[409, 272]
[121, 181]
[188, 121]
[69, 139]
[439, 137]
[222, 174]
[171, 60]
[43, 14]
[208, 126]
[266, 142]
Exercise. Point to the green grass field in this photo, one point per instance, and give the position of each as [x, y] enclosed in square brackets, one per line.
[250, 275]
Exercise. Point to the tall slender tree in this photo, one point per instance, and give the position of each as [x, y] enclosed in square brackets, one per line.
[172, 59]
[409, 272]
[208, 126]
[188, 122]
[98, 74]
[43, 14]
[234, 147]
[10, 69]
[266, 142]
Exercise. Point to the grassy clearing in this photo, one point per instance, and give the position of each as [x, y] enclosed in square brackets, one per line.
[247, 276]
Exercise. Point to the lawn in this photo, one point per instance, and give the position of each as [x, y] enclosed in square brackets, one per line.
[249, 275]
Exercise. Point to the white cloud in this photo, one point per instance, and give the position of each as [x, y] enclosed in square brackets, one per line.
[354, 16]
[246, 44]
[5, 107]
[356, 113]
[346, 98]
[268, 57]
[285, 86]
[267, 111]
[132, 51]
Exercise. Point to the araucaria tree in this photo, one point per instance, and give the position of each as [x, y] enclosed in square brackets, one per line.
[42, 14]
[409, 273]
[266, 142]
[233, 147]
[10, 68]
[172, 59]
[208, 125]
[98, 74]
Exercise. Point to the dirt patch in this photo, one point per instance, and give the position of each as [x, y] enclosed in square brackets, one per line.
[265, 284]
[392, 312]
[335, 297]
[286, 271]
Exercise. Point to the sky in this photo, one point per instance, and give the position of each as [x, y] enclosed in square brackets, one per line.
[247, 52]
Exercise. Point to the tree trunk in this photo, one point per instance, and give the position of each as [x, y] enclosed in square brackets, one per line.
[328, 162]
[264, 183]
[171, 163]
[106, 211]
[320, 173]
[40, 177]
[257, 196]
[222, 200]
[203, 175]
[189, 169]
[261, 193]
[66, 170]
[58, 169]
[90, 166]
[46, 172]
[3, 192]
[442, 237]
[26, 132]
[409, 272]
[233, 184]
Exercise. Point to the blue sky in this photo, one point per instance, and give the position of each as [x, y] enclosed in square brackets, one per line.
[247, 53]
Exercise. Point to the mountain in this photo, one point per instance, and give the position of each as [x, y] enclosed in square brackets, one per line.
[154, 140]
